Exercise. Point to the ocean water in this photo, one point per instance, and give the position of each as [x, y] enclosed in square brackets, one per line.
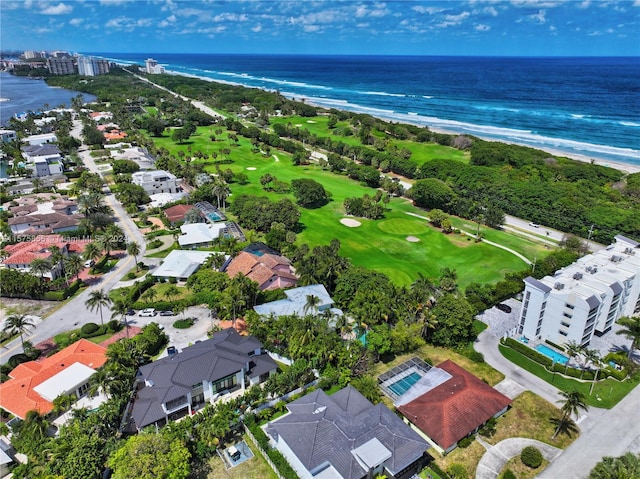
[21, 94]
[580, 106]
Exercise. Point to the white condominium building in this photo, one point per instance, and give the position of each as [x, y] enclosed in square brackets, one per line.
[156, 181]
[585, 298]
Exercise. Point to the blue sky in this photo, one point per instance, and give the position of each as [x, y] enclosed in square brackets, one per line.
[473, 27]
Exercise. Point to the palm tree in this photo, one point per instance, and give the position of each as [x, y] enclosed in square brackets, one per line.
[593, 356]
[107, 242]
[571, 405]
[63, 402]
[631, 331]
[18, 323]
[150, 295]
[172, 292]
[74, 265]
[120, 308]
[97, 300]
[91, 251]
[311, 304]
[573, 349]
[40, 266]
[133, 249]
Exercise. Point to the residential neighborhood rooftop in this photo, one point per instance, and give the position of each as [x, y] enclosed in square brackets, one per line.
[32, 382]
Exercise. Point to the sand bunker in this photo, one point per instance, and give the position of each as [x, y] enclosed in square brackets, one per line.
[350, 222]
[412, 239]
[251, 168]
[310, 121]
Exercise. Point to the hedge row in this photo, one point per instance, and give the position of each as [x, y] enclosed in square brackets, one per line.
[528, 352]
[278, 459]
[66, 293]
[165, 305]
[554, 345]
[578, 373]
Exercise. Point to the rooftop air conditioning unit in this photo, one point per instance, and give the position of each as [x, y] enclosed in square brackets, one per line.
[559, 286]
[577, 276]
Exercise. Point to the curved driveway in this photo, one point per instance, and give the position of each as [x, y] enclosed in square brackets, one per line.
[497, 456]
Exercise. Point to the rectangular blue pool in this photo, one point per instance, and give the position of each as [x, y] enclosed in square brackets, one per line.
[550, 353]
[403, 385]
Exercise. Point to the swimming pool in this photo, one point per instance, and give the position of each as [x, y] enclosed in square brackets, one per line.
[214, 216]
[550, 353]
[403, 385]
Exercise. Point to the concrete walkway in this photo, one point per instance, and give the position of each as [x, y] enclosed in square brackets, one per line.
[497, 245]
[497, 456]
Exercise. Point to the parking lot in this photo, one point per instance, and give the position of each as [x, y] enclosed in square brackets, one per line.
[180, 338]
[500, 322]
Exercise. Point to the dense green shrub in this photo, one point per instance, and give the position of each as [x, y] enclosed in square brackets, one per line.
[466, 441]
[89, 328]
[457, 471]
[113, 325]
[54, 295]
[531, 457]
[131, 275]
[71, 290]
[183, 323]
[508, 474]
[17, 359]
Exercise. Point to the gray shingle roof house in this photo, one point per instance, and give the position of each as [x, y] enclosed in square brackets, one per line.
[205, 372]
[345, 436]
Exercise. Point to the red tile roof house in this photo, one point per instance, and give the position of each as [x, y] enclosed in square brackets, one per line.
[269, 269]
[43, 214]
[176, 213]
[452, 410]
[34, 385]
[23, 253]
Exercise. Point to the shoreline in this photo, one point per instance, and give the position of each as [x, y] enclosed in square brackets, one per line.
[554, 151]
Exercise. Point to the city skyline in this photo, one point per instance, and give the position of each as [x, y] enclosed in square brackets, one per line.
[340, 27]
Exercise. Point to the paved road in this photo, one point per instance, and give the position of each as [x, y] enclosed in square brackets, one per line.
[613, 433]
[74, 312]
[541, 232]
[602, 432]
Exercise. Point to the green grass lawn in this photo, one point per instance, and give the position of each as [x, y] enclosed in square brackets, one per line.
[606, 393]
[380, 245]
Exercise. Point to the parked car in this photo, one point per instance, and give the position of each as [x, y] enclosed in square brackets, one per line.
[504, 307]
[166, 313]
[89, 263]
[131, 312]
[149, 312]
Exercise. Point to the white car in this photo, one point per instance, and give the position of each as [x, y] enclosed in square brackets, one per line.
[535, 225]
[149, 312]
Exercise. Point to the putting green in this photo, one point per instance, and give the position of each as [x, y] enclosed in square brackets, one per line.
[401, 226]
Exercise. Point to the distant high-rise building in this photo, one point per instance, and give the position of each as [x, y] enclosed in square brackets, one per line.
[59, 54]
[152, 67]
[89, 66]
[29, 54]
[61, 66]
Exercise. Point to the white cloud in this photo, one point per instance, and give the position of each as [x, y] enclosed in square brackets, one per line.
[257, 28]
[76, 21]
[539, 17]
[636, 3]
[429, 10]
[585, 4]
[482, 27]
[230, 17]
[312, 28]
[60, 9]
[536, 3]
[491, 11]
[455, 19]
[126, 23]
[109, 3]
[595, 34]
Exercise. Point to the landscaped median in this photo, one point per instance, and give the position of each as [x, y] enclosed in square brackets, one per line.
[606, 392]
